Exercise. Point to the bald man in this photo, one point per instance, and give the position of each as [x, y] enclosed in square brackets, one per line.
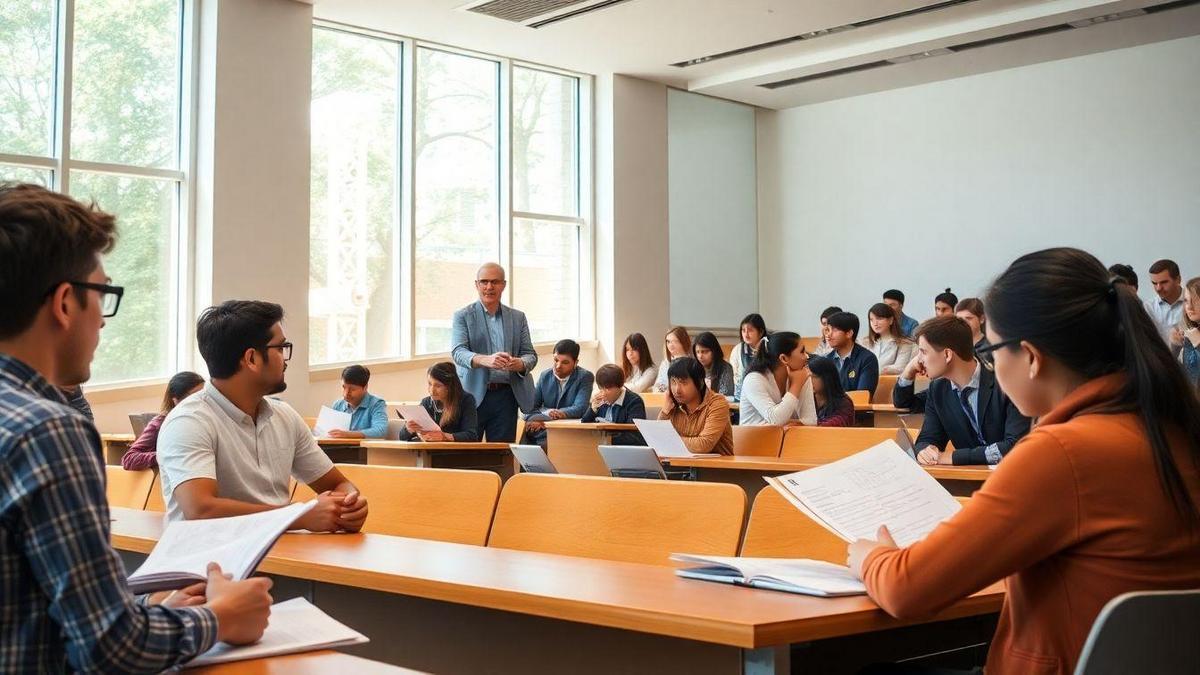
[494, 354]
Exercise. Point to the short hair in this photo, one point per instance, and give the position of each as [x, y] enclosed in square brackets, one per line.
[357, 375]
[893, 294]
[1125, 272]
[688, 368]
[609, 375]
[1165, 265]
[567, 347]
[948, 332]
[845, 321]
[46, 239]
[225, 331]
[972, 305]
[830, 311]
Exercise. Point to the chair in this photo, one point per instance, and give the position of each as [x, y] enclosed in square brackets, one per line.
[441, 504]
[618, 519]
[1144, 632]
[128, 489]
[757, 441]
[860, 397]
[310, 421]
[827, 444]
[810, 343]
[883, 390]
[653, 399]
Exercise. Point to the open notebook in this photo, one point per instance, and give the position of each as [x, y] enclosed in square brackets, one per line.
[238, 544]
[803, 576]
[295, 626]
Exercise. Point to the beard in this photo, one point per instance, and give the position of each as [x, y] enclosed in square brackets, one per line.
[278, 388]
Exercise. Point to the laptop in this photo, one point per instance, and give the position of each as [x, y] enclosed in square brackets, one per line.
[632, 461]
[139, 421]
[904, 440]
[532, 458]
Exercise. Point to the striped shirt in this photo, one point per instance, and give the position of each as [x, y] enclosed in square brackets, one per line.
[64, 602]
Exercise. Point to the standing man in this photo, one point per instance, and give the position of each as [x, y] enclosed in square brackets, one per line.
[1167, 308]
[494, 355]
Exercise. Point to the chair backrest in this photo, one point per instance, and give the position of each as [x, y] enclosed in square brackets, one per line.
[128, 489]
[810, 343]
[827, 444]
[654, 398]
[618, 519]
[757, 441]
[155, 501]
[532, 458]
[883, 390]
[1144, 632]
[859, 397]
[310, 421]
[395, 426]
[631, 461]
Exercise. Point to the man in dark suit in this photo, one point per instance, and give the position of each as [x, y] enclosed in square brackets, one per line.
[561, 393]
[615, 403]
[857, 366]
[963, 405]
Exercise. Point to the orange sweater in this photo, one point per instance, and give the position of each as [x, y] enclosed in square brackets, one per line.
[706, 429]
[1074, 516]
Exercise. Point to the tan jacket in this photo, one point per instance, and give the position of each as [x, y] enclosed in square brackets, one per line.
[705, 429]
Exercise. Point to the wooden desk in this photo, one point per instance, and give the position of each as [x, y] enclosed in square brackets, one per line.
[450, 608]
[487, 456]
[321, 662]
[115, 445]
[343, 450]
[572, 446]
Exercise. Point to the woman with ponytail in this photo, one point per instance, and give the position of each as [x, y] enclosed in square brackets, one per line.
[777, 389]
[1099, 500]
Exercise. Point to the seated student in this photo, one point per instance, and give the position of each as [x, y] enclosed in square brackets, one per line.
[450, 406]
[66, 602]
[699, 414]
[76, 400]
[614, 402]
[858, 367]
[1098, 501]
[368, 412]
[1127, 273]
[230, 449]
[1189, 327]
[637, 364]
[718, 374]
[561, 392]
[971, 311]
[895, 300]
[778, 388]
[823, 347]
[944, 303]
[142, 454]
[963, 404]
[834, 407]
[676, 344]
[753, 329]
[886, 341]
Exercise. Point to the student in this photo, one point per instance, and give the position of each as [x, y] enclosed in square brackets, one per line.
[971, 311]
[1098, 501]
[637, 364]
[823, 347]
[886, 342]
[858, 367]
[895, 300]
[718, 374]
[1167, 308]
[752, 329]
[677, 344]
[1189, 328]
[230, 449]
[142, 454]
[834, 407]
[699, 414]
[963, 404]
[944, 303]
[451, 407]
[368, 412]
[778, 388]
[561, 392]
[1125, 272]
[67, 605]
[614, 402]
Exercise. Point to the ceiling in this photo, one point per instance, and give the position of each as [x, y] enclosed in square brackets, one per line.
[895, 43]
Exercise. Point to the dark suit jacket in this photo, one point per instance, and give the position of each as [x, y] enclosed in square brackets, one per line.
[462, 429]
[634, 408]
[945, 419]
[864, 366]
[575, 395]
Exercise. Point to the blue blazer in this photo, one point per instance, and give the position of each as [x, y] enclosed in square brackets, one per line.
[469, 337]
[634, 408]
[860, 370]
[575, 394]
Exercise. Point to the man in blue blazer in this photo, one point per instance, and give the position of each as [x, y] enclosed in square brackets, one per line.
[857, 366]
[615, 403]
[562, 392]
[491, 346]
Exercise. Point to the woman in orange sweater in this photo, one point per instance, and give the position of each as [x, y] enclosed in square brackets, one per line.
[1099, 500]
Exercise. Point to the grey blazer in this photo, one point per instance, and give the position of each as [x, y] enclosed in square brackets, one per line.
[469, 336]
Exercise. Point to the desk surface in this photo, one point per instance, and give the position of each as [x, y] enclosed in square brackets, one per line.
[327, 442]
[590, 426]
[320, 662]
[643, 598]
[787, 464]
[433, 447]
[118, 438]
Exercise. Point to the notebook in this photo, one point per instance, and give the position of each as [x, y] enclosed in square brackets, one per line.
[798, 575]
[295, 626]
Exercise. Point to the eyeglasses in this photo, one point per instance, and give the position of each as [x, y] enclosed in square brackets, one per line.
[490, 282]
[988, 349]
[110, 296]
[285, 348]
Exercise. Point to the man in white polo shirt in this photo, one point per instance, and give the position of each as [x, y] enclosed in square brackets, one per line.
[227, 450]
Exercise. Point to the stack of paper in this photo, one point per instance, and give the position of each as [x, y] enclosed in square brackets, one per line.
[661, 435]
[807, 577]
[295, 626]
[329, 419]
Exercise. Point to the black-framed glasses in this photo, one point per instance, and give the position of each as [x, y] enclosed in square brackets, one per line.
[110, 296]
[987, 350]
[490, 282]
[285, 348]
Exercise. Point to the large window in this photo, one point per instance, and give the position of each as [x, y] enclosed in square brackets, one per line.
[104, 125]
[427, 162]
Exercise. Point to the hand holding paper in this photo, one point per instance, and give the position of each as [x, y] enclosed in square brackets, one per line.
[329, 419]
[418, 414]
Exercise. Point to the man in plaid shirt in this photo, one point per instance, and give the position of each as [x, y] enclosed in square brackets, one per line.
[64, 602]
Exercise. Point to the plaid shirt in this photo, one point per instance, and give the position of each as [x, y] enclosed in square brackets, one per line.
[64, 602]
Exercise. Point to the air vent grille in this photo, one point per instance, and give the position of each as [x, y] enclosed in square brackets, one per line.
[520, 11]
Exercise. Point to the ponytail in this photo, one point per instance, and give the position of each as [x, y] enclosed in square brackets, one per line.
[766, 357]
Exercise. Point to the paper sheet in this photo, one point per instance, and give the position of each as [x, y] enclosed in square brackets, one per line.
[418, 414]
[661, 436]
[295, 626]
[329, 419]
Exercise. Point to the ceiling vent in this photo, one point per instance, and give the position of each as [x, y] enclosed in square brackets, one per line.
[538, 13]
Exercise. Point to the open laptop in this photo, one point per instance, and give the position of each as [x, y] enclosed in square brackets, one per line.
[139, 421]
[632, 461]
[904, 440]
[532, 458]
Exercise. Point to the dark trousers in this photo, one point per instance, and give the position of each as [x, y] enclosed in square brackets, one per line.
[498, 416]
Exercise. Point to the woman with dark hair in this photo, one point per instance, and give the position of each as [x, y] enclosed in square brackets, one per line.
[452, 408]
[143, 453]
[718, 374]
[1189, 330]
[753, 329]
[637, 364]
[886, 341]
[1100, 499]
[677, 344]
[777, 389]
[699, 414]
[834, 407]
[944, 303]
[971, 311]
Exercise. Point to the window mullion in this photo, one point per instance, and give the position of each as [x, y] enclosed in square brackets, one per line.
[62, 94]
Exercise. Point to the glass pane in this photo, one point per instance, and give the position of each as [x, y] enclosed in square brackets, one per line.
[24, 174]
[27, 58]
[135, 344]
[457, 186]
[126, 82]
[545, 277]
[544, 142]
[353, 268]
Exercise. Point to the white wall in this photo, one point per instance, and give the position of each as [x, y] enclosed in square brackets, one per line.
[944, 184]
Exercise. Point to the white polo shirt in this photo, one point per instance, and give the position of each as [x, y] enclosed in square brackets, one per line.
[207, 436]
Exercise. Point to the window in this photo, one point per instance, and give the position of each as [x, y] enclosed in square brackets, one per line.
[114, 136]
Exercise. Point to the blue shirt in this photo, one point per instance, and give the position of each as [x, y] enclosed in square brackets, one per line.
[908, 325]
[370, 417]
[495, 326]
